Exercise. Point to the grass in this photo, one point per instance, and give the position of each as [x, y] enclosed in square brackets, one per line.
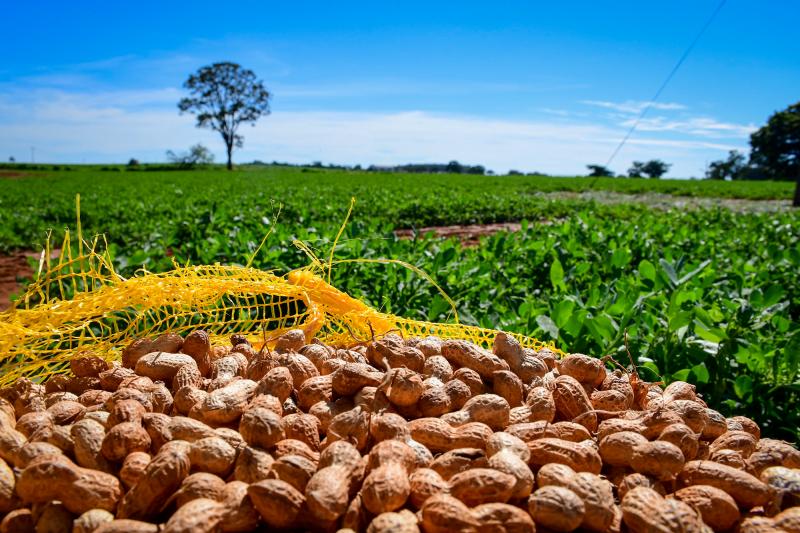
[708, 295]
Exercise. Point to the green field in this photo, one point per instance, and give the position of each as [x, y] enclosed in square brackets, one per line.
[708, 295]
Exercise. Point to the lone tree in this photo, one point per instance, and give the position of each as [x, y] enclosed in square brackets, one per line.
[655, 168]
[732, 168]
[223, 96]
[197, 155]
[599, 171]
[636, 170]
[776, 147]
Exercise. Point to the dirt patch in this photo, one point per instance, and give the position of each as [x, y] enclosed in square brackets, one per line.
[14, 269]
[468, 235]
[668, 201]
[14, 174]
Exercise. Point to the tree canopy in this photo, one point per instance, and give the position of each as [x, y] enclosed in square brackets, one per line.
[732, 168]
[197, 155]
[776, 145]
[775, 148]
[599, 171]
[655, 168]
[224, 96]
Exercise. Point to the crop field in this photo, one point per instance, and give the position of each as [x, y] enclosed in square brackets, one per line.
[708, 295]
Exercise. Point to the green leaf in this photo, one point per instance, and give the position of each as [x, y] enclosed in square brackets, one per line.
[743, 386]
[701, 373]
[694, 272]
[647, 270]
[547, 324]
[679, 319]
[575, 323]
[773, 295]
[557, 274]
[438, 306]
[562, 312]
[669, 270]
[681, 375]
[620, 257]
[709, 333]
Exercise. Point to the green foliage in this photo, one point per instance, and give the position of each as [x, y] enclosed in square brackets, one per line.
[709, 296]
[776, 146]
[197, 155]
[655, 168]
[599, 171]
[732, 168]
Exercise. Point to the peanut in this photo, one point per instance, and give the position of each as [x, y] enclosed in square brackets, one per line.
[133, 467]
[227, 404]
[261, 427]
[715, 506]
[578, 456]
[583, 368]
[161, 478]
[213, 455]
[617, 448]
[644, 509]
[162, 365]
[424, 483]
[391, 352]
[201, 515]
[468, 355]
[199, 485]
[490, 409]
[556, 508]
[443, 513]
[386, 487]
[572, 402]
[746, 489]
[327, 492]
[510, 455]
[660, 459]
[402, 522]
[293, 469]
[252, 464]
[482, 485]
[240, 512]
[79, 489]
[439, 436]
[91, 520]
[504, 518]
[8, 498]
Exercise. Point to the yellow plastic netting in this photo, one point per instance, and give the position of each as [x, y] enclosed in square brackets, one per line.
[79, 304]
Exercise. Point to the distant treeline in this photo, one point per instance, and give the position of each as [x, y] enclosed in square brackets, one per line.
[453, 167]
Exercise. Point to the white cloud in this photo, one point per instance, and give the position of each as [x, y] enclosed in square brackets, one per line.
[700, 126]
[634, 107]
[114, 126]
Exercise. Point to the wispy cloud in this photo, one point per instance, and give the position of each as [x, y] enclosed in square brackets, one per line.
[681, 120]
[700, 126]
[632, 106]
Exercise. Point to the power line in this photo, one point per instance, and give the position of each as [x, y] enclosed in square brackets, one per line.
[646, 108]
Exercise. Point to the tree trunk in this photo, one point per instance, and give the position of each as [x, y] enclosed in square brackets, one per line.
[230, 155]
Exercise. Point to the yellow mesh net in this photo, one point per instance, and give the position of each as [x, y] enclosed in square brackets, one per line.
[78, 304]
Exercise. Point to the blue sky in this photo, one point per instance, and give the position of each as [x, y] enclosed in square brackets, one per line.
[547, 86]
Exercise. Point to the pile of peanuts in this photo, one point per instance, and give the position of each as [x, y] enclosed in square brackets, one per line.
[400, 435]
